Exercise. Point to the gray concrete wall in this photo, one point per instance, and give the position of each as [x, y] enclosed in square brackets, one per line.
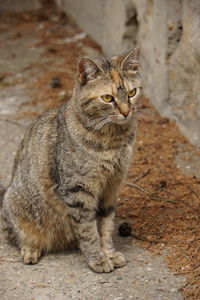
[169, 32]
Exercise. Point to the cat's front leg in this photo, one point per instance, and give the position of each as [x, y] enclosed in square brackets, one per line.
[85, 228]
[106, 225]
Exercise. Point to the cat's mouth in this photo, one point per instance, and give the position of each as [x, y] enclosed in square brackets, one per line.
[101, 122]
[122, 119]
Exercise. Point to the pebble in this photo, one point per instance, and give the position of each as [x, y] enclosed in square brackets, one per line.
[125, 229]
[55, 83]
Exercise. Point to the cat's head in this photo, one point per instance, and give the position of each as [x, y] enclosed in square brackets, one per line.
[107, 88]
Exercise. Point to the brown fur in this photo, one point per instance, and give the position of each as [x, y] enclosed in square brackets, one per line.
[70, 165]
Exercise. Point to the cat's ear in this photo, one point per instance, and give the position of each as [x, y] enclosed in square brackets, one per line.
[87, 69]
[130, 61]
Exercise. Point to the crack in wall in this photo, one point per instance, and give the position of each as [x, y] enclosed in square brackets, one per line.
[131, 26]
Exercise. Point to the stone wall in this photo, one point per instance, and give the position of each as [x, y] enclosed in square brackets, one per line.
[169, 32]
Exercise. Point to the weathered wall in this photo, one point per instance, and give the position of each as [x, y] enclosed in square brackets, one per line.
[105, 21]
[184, 73]
[169, 32]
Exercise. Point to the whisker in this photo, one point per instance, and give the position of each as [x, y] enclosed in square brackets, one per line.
[107, 122]
[102, 123]
[145, 111]
[93, 122]
[96, 118]
[143, 117]
[144, 114]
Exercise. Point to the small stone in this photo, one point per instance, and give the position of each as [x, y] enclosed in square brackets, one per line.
[163, 121]
[125, 229]
[162, 184]
[55, 83]
[52, 50]
[119, 278]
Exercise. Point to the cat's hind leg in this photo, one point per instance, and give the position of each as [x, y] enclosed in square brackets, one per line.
[30, 255]
[32, 241]
[29, 242]
[20, 228]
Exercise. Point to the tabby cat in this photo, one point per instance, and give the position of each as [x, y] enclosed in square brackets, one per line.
[70, 165]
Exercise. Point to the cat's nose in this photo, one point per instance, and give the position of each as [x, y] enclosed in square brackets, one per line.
[124, 109]
[125, 113]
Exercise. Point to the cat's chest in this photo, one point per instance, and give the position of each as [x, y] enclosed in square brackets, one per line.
[110, 162]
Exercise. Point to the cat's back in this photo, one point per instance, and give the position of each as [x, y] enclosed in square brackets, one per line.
[33, 153]
[42, 128]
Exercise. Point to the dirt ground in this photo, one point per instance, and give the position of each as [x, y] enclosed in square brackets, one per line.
[160, 198]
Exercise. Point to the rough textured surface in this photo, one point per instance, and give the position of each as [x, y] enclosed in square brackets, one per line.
[152, 17]
[66, 276]
[184, 74]
[111, 23]
[169, 34]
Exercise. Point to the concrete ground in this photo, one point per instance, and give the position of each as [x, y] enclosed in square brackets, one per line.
[64, 275]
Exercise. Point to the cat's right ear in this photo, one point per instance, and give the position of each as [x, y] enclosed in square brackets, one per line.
[87, 70]
[130, 61]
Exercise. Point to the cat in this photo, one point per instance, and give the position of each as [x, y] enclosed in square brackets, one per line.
[71, 163]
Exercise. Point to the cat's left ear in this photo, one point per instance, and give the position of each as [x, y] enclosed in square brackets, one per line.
[130, 61]
[87, 69]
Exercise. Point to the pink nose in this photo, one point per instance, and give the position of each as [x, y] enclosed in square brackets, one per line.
[125, 113]
[124, 109]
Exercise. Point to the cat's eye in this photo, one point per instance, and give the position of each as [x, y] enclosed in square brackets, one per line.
[107, 98]
[132, 93]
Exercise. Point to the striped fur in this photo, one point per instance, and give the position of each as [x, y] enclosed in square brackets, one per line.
[70, 165]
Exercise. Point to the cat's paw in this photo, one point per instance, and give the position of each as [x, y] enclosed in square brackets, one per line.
[30, 256]
[101, 265]
[117, 259]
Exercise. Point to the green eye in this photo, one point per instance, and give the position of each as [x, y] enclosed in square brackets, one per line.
[107, 98]
[132, 93]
